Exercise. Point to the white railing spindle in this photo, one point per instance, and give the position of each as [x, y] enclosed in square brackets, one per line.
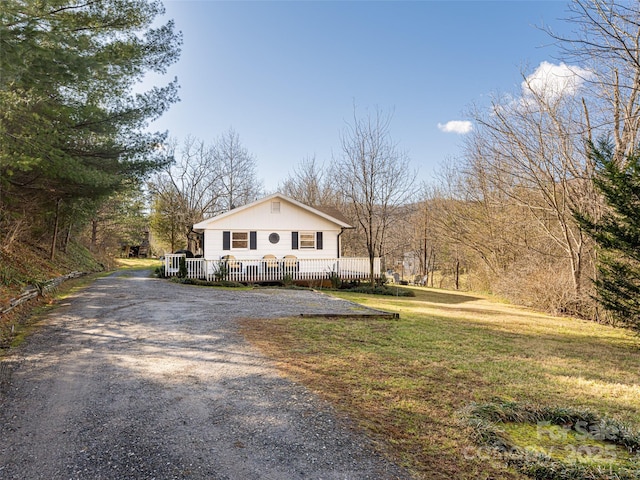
[278, 270]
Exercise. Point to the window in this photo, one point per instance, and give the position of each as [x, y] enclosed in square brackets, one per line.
[307, 240]
[274, 238]
[311, 240]
[275, 207]
[239, 240]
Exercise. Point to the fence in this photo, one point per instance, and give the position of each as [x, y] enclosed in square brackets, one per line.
[272, 270]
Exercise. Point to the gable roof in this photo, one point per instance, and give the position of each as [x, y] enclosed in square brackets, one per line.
[328, 213]
[333, 212]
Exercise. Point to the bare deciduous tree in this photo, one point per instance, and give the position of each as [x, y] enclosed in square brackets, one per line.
[202, 181]
[185, 192]
[374, 177]
[607, 42]
[532, 151]
[238, 182]
[469, 212]
[308, 184]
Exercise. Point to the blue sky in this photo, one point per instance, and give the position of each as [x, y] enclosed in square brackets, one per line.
[286, 75]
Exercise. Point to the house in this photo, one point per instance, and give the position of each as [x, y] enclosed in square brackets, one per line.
[273, 238]
[275, 225]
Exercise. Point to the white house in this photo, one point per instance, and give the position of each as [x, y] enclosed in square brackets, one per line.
[275, 225]
[271, 238]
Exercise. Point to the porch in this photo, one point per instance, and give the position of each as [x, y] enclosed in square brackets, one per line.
[271, 269]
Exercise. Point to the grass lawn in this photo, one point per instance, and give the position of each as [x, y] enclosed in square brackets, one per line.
[406, 380]
[138, 263]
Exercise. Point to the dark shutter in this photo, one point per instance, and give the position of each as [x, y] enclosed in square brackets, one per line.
[294, 240]
[253, 240]
[318, 240]
[226, 240]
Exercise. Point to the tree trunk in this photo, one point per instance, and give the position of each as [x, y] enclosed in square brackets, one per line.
[433, 267]
[372, 279]
[67, 238]
[94, 235]
[56, 222]
[425, 260]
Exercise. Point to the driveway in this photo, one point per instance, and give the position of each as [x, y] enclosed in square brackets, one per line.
[140, 378]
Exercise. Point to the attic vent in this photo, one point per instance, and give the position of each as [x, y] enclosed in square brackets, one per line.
[275, 207]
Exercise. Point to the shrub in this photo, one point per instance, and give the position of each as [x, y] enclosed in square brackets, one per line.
[335, 280]
[383, 290]
[221, 271]
[485, 421]
[206, 283]
[159, 272]
[182, 269]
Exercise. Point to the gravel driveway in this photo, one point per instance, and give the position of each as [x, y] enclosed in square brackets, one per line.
[139, 378]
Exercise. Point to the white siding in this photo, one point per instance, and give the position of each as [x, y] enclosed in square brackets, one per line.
[213, 245]
[262, 220]
[260, 217]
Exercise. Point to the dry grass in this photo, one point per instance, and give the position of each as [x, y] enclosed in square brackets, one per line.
[406, 380]
[138, 263]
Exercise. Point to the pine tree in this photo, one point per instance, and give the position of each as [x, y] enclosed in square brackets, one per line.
[72, 129]
[617, 234]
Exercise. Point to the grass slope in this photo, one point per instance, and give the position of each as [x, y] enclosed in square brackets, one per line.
[406, 380]
[25, 265]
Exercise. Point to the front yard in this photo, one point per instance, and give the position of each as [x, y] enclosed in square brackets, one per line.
[406, 381]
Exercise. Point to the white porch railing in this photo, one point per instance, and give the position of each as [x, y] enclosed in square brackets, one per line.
[272, 270]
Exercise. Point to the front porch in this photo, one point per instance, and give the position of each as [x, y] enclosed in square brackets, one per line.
[272, 270]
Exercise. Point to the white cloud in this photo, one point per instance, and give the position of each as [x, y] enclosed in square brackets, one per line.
[552, 81]
[456, 126]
